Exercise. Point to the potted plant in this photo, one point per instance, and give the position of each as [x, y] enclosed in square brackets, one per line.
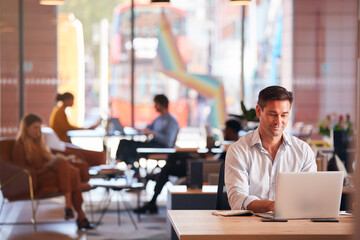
[248, 118]
[342, 130]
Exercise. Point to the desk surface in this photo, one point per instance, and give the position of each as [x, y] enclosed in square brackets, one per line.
[101, 132]
[114, 183]
[182, 189]
[201, 225]
[170, 150]
[98, 132]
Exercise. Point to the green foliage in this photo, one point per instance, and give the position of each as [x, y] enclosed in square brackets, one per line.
[248, 115]
[337, 123]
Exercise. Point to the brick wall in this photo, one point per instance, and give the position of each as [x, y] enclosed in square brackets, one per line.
[324, 58]
[39, 57]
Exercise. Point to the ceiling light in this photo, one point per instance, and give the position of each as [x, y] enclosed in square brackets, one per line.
[240, 2]
[160, 2]
[52, 2]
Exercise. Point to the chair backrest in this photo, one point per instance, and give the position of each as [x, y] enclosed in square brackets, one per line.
[18, 187]
[211, 170]
[175, 139]
[6, 146]
[222, 202]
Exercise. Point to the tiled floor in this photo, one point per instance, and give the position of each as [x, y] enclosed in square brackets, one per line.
[51, 224]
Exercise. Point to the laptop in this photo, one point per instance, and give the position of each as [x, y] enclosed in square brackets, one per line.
[307, 195]
[116, 128]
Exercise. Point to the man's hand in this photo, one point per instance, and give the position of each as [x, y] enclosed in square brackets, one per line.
[96, 124]
[260, 206]
[148, 131]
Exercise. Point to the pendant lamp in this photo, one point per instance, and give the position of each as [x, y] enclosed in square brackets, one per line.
[160, 2]
[52, 2]
[240, 2]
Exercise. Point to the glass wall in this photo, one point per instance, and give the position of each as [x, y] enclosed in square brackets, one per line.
[27, 62]
[200, 38]
[190, 50]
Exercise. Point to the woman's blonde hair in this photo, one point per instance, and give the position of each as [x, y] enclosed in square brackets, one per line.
[23, 137]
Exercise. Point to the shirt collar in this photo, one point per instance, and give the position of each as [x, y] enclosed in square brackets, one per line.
[256, 140]
[165, 115]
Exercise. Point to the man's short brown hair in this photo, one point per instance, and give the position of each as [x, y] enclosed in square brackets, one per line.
[274, 93]
[162, 100]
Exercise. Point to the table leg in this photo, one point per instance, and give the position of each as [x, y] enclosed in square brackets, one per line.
[138, 203]
[128, 209]
[106, 204]
[118, 208]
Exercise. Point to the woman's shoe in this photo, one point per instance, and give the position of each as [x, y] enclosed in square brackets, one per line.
[69, 214]
[84, 224]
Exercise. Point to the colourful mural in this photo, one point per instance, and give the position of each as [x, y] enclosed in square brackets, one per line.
[174, 67]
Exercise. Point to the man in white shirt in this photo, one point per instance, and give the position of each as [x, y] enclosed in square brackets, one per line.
[254, 161]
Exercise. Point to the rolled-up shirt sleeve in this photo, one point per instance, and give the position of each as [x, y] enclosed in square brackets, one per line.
[237, 180]
[309, 161]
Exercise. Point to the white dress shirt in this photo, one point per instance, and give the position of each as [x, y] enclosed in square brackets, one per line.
[251, 173]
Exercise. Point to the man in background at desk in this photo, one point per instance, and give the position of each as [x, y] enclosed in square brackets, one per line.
[253, 163]
[176, 166]
[162, 131]
[231, 133]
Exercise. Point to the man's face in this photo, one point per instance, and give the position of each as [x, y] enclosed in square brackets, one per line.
[274, 117]
[158, 107]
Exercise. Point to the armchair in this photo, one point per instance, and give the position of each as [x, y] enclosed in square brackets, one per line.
[93, 158]
[16, 182]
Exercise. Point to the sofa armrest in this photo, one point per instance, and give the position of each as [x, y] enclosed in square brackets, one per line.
[93, 158]
[16, 182]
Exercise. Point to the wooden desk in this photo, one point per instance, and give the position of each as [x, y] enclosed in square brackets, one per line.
[202, 225]
[180, 198]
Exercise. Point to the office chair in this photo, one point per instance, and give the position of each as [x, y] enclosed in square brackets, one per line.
[222, 202]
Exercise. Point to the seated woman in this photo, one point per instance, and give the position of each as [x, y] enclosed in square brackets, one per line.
[58, 119]
[81, 158]
[47, 170]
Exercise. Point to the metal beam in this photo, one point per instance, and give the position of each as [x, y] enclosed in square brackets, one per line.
[21, 60]
[132, 62]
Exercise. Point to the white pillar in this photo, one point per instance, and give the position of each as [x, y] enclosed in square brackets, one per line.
[104, 67]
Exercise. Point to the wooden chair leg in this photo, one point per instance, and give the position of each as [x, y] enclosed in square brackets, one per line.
[33, 219]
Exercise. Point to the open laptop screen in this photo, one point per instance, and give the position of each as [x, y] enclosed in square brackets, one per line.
[308, 195]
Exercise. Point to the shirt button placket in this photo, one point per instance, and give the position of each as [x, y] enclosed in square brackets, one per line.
[272, 182]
